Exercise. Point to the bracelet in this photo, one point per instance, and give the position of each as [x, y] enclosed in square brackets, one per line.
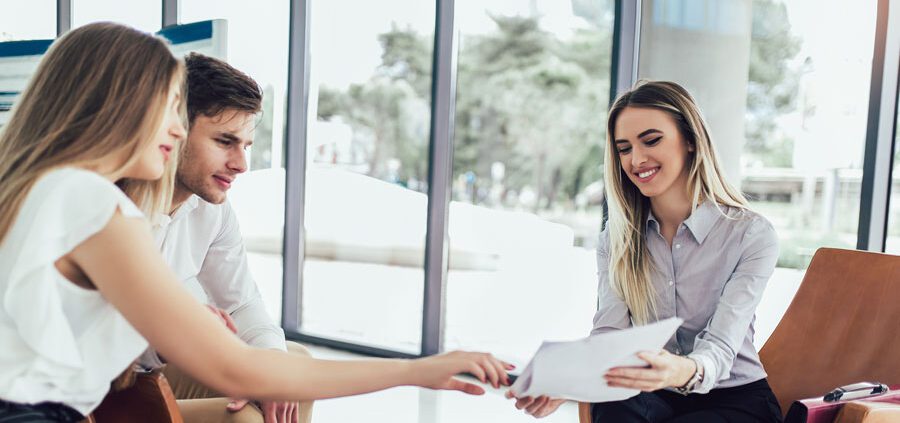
[692, 383]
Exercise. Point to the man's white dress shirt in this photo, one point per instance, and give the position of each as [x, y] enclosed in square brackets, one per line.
[202, 243]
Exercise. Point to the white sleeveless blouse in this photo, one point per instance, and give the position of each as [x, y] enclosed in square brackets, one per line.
[60, 342]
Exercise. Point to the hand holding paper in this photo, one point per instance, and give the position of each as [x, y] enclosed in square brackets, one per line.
[575, 370]
[541, 406]
[665, 370]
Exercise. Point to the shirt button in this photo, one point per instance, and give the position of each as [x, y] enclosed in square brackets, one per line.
[677, 245]
[671, 283]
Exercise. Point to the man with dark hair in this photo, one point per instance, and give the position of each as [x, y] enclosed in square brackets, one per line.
[201, 241]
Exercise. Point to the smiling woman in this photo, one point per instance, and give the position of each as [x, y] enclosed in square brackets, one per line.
[676, 233]
[663, 148]
[653, 159]
[673, 219]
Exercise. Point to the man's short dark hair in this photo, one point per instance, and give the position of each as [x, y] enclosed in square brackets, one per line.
[214, 86]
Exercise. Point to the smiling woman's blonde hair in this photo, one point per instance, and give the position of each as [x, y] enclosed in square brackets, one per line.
[629, 261]
[100, 91]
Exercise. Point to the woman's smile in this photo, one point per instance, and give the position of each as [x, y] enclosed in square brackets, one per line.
[645, 175]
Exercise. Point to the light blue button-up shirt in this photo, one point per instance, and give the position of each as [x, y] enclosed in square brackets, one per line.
[713, 276]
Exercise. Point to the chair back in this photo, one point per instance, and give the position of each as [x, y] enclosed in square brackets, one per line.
[148, 400]
[841, 327]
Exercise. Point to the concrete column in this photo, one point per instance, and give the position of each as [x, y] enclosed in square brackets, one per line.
[705, 48]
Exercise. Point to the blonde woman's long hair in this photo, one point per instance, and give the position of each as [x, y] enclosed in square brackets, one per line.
[630, 264]
[99, 92]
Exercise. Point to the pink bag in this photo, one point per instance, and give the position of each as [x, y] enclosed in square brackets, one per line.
[825, 409]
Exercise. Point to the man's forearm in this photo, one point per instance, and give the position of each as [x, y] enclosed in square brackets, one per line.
[256, 328]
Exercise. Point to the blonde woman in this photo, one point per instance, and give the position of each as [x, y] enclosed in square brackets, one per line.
[82, 284]
[680, 241]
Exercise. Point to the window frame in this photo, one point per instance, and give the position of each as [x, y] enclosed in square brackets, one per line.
[877, 168]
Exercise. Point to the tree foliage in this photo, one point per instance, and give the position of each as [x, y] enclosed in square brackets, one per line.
[535, 103]
[773, 83]
[525, 98]
[532, 100]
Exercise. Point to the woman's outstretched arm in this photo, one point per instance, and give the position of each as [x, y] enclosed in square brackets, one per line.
[122, 261]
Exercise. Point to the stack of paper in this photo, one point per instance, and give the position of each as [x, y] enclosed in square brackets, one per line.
[574, 370]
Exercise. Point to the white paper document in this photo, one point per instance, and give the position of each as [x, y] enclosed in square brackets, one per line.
[574, 370]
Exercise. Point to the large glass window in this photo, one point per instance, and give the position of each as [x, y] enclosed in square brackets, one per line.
[786, 102]
[532, 91]
[145, 15]
[33, 20]
[367, 152]
[892, 245]
[257, 44]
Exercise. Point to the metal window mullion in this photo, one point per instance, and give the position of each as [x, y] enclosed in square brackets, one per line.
[63, 16]
[443, 96]
[626, 47]
[880, 130]
[171, 12]
[337, 344]
[295, 163]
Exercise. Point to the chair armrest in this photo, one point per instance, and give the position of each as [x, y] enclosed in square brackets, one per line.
[148, 400]
[584, 412]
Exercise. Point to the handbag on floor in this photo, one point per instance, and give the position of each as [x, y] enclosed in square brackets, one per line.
[825, 409]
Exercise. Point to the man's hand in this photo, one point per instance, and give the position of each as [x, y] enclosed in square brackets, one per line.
[224, 317]
[273, 411]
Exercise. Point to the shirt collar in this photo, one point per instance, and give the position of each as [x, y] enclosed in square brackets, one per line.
[699, 223]
[190, 204]
[651, 220]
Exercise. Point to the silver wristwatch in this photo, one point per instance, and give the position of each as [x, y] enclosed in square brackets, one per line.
[695, 380]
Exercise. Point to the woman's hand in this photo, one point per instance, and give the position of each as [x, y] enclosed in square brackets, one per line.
[541, 406]
[436, 372]
[666, 370]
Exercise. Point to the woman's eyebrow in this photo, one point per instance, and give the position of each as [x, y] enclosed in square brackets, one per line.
[642, 135]
[648, 132]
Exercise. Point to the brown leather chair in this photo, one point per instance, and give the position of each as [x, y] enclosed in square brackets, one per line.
[841, 328]
[584, 412]
[148, 400]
